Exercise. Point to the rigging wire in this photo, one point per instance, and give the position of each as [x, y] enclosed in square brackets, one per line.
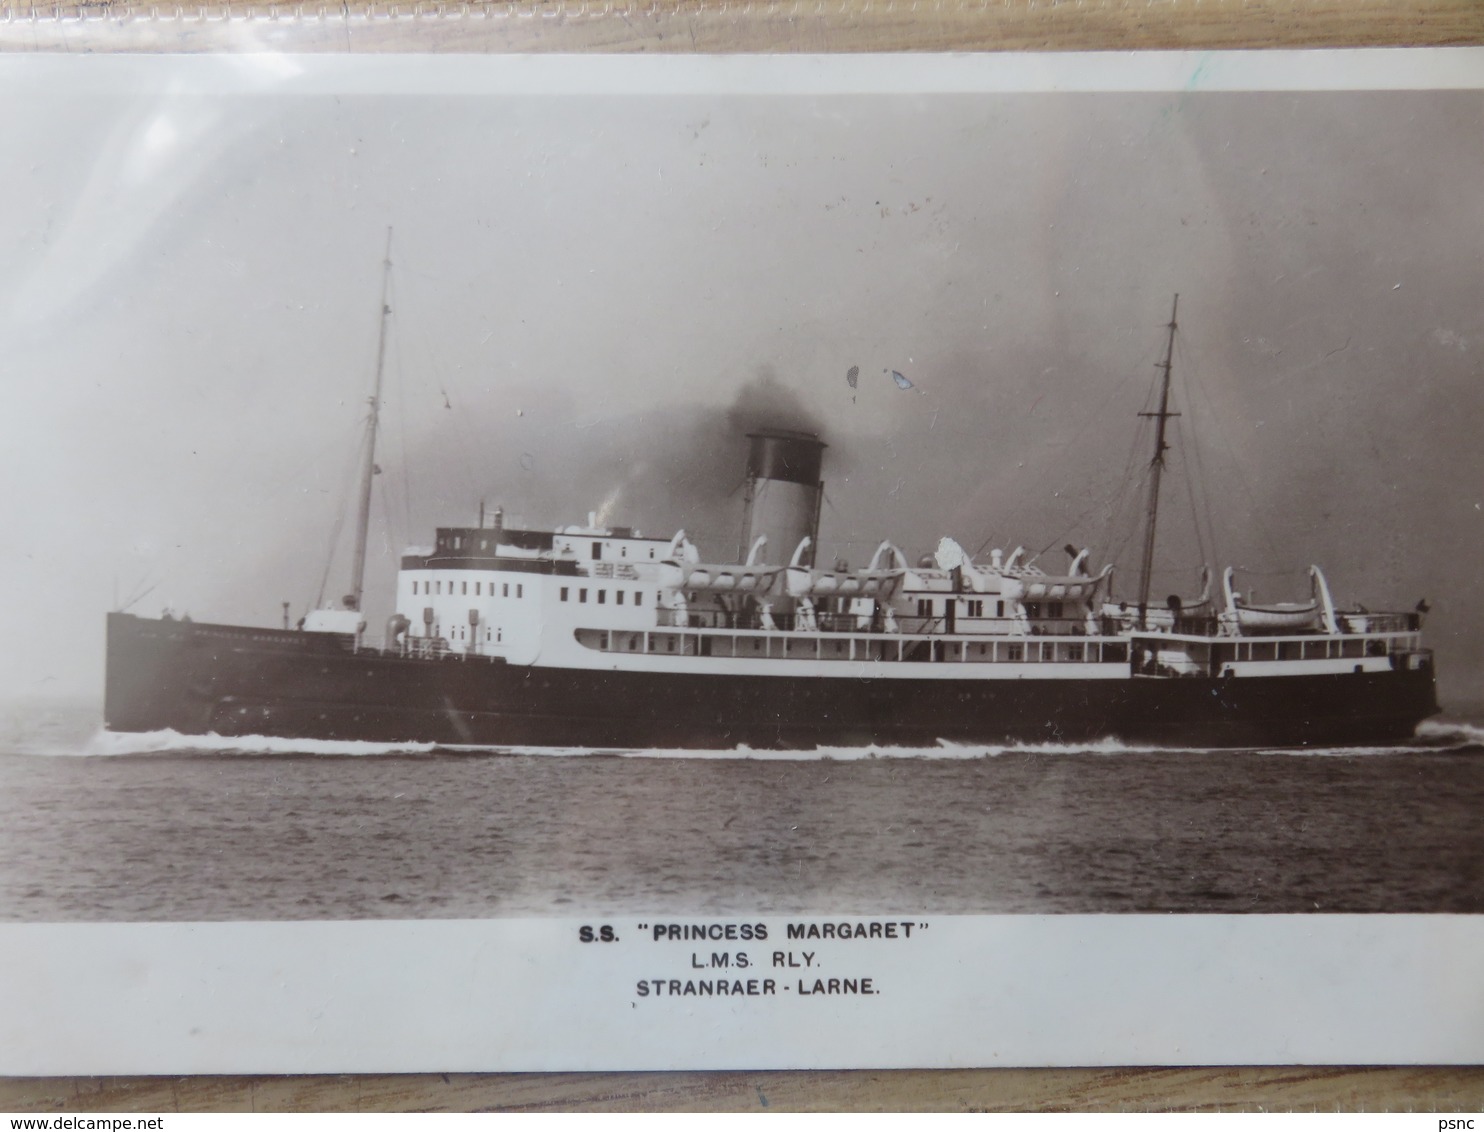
[384, 490]
[1196, 474]
[1240, 479]
[1130, 489]
[402, 419]
[1185, 446]
[392, 538]
[1112, 501]
[1072, 526]
[1114, 391]
[338, 525]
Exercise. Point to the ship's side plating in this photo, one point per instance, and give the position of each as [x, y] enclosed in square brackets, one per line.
[199, 678]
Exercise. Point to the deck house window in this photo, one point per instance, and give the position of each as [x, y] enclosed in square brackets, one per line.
[602, 597]
[1014, 652]
[520, 590]
[1053, 609]
[564, 593]
[464, 589]
[597, 550]
[999, 609]
[582, 595]
[505, 589]
[618, 597]
[477, 586]
[439, 584]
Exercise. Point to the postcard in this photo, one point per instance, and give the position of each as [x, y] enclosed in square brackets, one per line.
[753, 562]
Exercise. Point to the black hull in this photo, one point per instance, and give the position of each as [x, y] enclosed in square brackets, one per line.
[202, 679]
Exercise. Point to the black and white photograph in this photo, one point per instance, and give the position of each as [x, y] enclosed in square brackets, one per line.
[450, 492]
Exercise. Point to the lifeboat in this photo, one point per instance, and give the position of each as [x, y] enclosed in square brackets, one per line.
[682, 569]
[876, 581]
[1030, 583]
[1047, 587]
[1164, 617]
[1278, 617]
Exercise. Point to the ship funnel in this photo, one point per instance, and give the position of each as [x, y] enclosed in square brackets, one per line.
[783, 491]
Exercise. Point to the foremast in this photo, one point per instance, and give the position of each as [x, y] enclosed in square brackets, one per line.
[1156, 469]
[368, 467]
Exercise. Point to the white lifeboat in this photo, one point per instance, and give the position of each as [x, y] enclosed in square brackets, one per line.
[1270, 618]
[347, 621]
[1163, 617]
[1030, 583]
[682, 569]
[875, 581]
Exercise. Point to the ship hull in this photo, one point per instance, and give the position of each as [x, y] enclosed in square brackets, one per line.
[204, 679]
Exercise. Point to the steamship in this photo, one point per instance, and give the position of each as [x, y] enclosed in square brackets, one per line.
[598, 636]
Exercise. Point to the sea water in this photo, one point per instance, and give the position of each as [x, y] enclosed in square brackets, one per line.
[96, 826]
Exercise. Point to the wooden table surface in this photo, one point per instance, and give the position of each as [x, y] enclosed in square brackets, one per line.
[759, 25]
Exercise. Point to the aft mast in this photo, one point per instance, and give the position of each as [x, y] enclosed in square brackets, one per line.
[368, 469]
[1156, 469]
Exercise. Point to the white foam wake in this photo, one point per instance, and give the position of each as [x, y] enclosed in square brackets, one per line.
[165, 742]
[1454, 733]
[111, 743]
[944, 750]
[1432, 734]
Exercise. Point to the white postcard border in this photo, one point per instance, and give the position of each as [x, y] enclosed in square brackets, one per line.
[530, 995]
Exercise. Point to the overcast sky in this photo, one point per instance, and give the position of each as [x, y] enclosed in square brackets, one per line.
[585, 286]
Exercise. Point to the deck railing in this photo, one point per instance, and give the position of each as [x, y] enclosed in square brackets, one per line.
[860, 623]
[1349, 623]
[1366, 635]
